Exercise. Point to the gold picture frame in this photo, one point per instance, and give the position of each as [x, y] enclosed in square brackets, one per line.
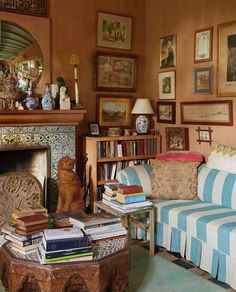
[114, 111]
[203, 45]
[226, 77]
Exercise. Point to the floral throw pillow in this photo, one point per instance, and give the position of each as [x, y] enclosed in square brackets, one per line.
[174, 180]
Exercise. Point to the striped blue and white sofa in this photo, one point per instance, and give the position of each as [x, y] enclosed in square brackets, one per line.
[203, 231]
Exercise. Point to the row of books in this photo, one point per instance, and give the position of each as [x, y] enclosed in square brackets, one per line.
[108, 171]
[125, 199]
[110, 149]
[64, 245]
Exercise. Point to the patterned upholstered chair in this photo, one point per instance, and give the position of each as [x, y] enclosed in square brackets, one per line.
[18, 189]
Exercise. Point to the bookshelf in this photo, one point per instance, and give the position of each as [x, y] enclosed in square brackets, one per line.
[108, 155]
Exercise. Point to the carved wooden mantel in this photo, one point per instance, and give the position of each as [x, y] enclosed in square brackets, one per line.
[41, 117]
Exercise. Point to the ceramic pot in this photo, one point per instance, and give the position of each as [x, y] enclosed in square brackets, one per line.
[48, 102]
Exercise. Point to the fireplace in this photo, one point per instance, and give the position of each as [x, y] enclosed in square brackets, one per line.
[35, 159]
[43, 132]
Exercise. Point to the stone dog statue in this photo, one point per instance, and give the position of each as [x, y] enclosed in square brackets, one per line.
[70, 195]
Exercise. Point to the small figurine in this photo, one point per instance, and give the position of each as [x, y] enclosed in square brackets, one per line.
[64, 99]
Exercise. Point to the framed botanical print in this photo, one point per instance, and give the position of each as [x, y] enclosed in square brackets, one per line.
[114, 31]
[203, 80]
[114, 110]
[203, 45]
[166, 112]
[115, 72]
[168, 51]
[167, 85]
[226, 77]
[177, 138]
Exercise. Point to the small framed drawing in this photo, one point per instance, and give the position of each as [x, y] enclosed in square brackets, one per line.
[114, 111]
[166, 112]
[114, 31]
[115, 72]
[203, 80]
[203, 45]
[168, 51]
[94, 129]
[226, 75]
[167, 85]
[177, 139]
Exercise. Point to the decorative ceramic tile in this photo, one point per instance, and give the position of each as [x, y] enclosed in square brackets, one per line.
[61, 140]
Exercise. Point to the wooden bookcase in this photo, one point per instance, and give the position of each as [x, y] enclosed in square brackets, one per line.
[106, 158]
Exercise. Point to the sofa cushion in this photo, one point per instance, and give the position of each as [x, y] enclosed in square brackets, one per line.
[174, 180]
[222, 158]
[216, 186]
[183, 156]
[137, 175]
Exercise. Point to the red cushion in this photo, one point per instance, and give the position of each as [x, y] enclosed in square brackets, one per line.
[184, 156]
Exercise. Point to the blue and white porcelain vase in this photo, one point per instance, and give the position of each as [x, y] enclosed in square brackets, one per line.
[142, 124]
[48, 102]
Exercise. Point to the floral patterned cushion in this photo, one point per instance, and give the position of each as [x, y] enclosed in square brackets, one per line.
[174, 180]
[18, 189]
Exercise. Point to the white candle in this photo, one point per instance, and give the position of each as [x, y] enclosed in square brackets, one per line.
[76, 93]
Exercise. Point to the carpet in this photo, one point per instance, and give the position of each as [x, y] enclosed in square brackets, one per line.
[156, 274]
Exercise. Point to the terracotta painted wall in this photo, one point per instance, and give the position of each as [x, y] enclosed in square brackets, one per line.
[183, 17]
[73, 31]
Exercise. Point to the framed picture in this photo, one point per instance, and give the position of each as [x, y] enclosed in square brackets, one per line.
[207, 112]
[177, 139]
[226, 77]
[203, 80]
[167, 85]
[115, 72]
[114, 111]
[203, 45]
[168, 51]
[204, 135]
[26, 66]
[166, 112]
[94, 129]
[114, 31]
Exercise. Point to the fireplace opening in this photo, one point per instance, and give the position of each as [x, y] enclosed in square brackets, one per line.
[35, 159]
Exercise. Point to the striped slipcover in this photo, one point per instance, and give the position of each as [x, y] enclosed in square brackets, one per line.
[204, 231]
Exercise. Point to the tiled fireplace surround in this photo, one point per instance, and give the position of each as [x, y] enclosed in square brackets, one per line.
[56, 129]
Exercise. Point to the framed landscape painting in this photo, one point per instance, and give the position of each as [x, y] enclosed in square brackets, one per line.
[114, 111]
[115, 72]
[166, 112]
[226, 83]
[114, 31]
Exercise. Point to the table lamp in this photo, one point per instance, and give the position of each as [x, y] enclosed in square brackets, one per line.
[143, 108]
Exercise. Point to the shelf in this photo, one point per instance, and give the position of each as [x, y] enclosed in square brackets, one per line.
[125, 158]
[122, 138]
[41, 117]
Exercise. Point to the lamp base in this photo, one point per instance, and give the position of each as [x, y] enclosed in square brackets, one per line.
[142, 125]
[78, 106]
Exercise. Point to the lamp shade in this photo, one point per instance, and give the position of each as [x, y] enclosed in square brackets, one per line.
[142, 106]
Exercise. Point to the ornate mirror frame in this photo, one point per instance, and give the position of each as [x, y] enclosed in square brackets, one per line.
[39, 27]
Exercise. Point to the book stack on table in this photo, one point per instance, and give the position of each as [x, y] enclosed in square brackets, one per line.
[20, 243]
[126, 199]
[98, 226]
[64, 245]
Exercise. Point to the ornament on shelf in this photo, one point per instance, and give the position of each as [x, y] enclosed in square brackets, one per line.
[48, 102]
[64, 99]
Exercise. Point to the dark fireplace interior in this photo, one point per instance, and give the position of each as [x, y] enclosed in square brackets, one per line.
[34, 159]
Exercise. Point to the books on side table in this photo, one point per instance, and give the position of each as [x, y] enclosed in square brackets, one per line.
[125, 199]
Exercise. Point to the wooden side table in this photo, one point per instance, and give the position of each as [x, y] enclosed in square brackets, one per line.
[129, 217]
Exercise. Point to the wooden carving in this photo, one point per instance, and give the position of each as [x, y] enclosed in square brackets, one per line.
[29, 284]
[75, 283]
[70, 195]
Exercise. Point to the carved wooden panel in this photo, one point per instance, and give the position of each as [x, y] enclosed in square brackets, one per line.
[32, 7]
[29, 284]
[75, 283]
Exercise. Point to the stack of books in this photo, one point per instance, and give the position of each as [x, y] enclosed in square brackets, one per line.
[110, 191]
[99, 226]
[31, 224]
[20, 243]
[128, 199]
[60, 220]
[64, 245]
[27, 211]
